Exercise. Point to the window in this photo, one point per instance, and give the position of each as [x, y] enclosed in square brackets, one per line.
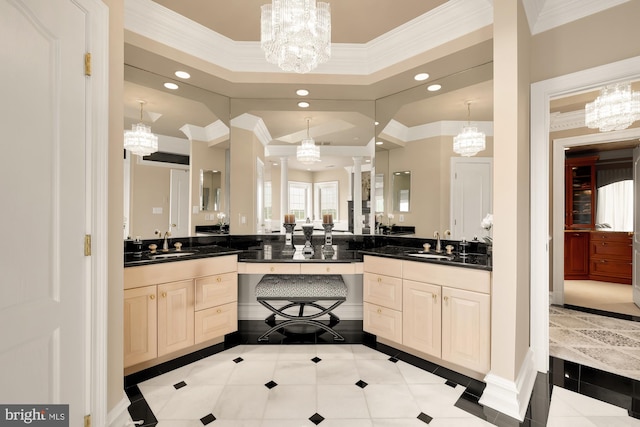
[326, 199]
[379, 193]
[300, 200]
[615, 206]
[268, 200]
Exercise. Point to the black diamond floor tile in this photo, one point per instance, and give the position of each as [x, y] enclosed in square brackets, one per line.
[207, 419]
[271, 384]
[425, 418]
[361, 384]
[179, 385]
[238, 359]
[316, 418]
[316, 359]
[393, 359]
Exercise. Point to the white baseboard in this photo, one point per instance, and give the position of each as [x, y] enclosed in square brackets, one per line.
[256, 311]
[511, 397]
[119, 415]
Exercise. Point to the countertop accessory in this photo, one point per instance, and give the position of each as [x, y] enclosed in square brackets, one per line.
[137, 247]
[288, 239]
[178, 246]
[449, 249]
[152, 248]
[307, 229]
[426, 247]
[328, 237]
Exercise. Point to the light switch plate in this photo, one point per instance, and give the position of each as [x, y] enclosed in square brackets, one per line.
[401, 218]
[157, 211]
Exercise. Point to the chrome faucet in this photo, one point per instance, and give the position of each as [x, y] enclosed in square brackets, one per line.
[438, 246]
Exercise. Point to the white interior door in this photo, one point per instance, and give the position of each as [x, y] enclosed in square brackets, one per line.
[471, 195]
[45, 285]
[179, 201]
[636, 224]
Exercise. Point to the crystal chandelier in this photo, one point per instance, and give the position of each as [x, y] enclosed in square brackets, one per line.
[139, 140]
[308, 152]
[470, 141]
[296, 34]
[615, 109]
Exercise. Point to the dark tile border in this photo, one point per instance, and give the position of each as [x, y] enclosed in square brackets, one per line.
[603, 313]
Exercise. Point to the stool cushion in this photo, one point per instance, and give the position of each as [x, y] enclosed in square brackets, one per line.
[301, 287]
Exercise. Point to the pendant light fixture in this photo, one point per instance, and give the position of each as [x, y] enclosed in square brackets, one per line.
[308, 152]
[470, 141]
[616, 108]
[296, 34]
[139, 140]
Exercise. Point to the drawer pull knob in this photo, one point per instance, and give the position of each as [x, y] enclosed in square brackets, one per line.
[218, 311]
[328, 269]
[164, 295]
[379, 279]
[435, 298]
[218, 279]
[379, 310]
[272, 269]
[446, 299]
[152, 297]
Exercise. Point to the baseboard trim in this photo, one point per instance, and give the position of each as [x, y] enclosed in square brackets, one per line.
[256, 311]
[511, 397]
[119, 415]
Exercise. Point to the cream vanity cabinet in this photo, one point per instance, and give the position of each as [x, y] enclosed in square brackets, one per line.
[171, 307]
[382, 297]
[444, 311]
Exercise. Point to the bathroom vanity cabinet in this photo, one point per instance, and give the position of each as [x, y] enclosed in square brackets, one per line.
[169, 311]
[441, 311]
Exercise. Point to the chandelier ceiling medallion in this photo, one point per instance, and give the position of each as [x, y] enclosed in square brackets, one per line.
[470, 141]
[308, 152]
[296, 34]
[139, 140]
[616, 108]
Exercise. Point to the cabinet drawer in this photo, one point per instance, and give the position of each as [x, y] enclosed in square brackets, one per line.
[216, 290]
[380, 265]
[382, 290]
[328, 268]
[270, 268]
[612, 249]
[216, 322]
[611, 236]
[383, 322]
[456, 277]
[611, 268]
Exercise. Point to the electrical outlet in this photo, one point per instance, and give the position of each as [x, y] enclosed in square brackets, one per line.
[400, 218]
[157, 211]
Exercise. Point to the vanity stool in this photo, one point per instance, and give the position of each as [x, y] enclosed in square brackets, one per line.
[301, 290]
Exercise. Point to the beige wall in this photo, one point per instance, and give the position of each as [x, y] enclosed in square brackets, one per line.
[204, 157]
[115, 340]
[150, 188]
[245, 148]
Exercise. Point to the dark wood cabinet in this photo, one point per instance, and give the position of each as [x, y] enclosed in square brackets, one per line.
[610, 256]
[576, 255]
[580, 193]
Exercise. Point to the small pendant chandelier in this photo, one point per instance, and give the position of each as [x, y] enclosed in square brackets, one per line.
[139, 140]
[296, 34]
[470, 141]
[308, 152]
[616, 108]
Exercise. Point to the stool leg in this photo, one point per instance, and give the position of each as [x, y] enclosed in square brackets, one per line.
[301, 312]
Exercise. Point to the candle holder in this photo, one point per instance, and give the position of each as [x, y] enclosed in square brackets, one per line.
[288, 239]
[328, 237]
[307, 229]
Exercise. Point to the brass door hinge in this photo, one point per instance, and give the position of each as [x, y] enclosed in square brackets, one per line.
[87, 64]
[87, 420]
[87, 245]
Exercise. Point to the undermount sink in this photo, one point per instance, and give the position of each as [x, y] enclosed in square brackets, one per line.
[170, 255]
[429, 255]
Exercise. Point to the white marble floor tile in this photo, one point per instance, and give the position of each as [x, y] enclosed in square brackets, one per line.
[298, 352]
[347, 423]
[337, 372]
[327, 352]
[402, 422]
[363, 352]
[241, 402]
[438, 400]
[390, 401]
[459, 422]
[614, 421]
[260, 352]
[289, 372]
[568, 403]
[379, 372]
[252, 372]
[157, 396]
[179, 423]
[291, 402]
[414, 375]
[577, 421]
[190, 403]
[339, 401]
[210, 372]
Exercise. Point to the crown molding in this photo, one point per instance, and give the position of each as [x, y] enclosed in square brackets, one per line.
[253, 124]
[544, 15]
[566, 121]
[447, 22]
[212, 134]
[400, 134]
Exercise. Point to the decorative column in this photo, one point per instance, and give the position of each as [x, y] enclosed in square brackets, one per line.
[357, 195]
[284, 190]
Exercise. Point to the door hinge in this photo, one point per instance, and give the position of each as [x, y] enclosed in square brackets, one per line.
[87, 64]
[87, 420]
[87, 245]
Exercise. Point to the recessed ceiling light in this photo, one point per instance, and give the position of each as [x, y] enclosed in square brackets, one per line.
[368, 160]
[303, 104]
[171, 86]
[275, 164]
[183, 74]
[434, 88]
[378, 142]
[421, 77]
[407, 172]
[376, 123]
[302, 92]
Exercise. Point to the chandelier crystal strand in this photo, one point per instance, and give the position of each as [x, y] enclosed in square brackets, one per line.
[296, 34]
[616, 108]
[308, 152]
[139, 140]
[470, 141]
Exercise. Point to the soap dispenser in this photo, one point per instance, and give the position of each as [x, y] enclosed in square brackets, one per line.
[137, 247]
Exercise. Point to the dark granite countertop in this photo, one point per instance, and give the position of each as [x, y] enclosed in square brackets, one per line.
[278, 253]
[477, 261]
[183, 255]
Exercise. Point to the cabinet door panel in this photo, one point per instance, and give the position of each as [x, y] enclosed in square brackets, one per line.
[576, 255]
[140, 325]
[421, 311]
[383, 322]
[216, 322]
[175, 316]
[466, 329]
[383, 290]
[216, 290]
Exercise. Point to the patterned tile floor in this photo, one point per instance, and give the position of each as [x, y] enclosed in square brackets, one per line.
[606, 343]
[353, 385]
